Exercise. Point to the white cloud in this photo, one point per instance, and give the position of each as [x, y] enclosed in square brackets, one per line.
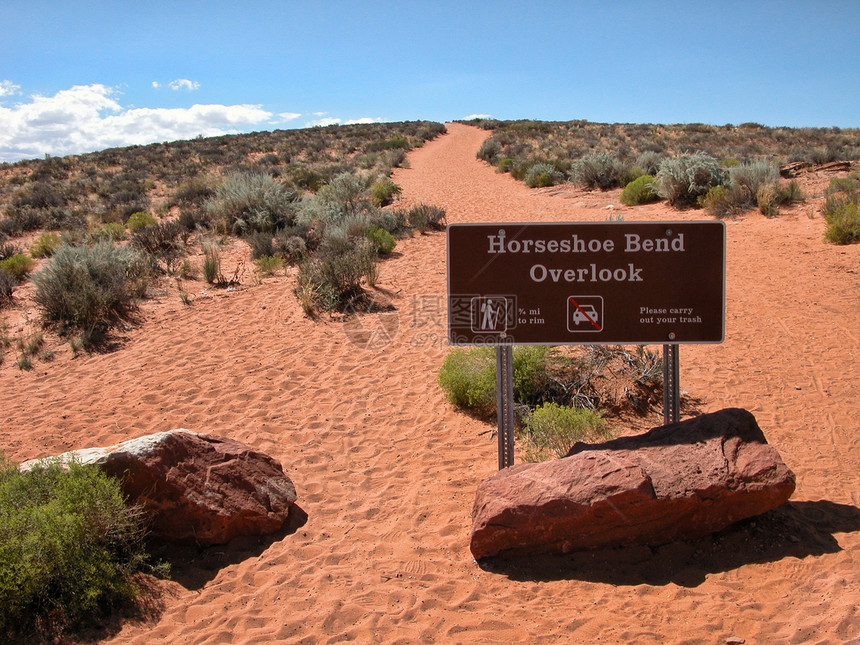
[88, 117]
[336, 121]
[323, 122]
[183, 84]
[156, 84]
[477, 116]
[363, 120]
[283, 117]
[8, 88]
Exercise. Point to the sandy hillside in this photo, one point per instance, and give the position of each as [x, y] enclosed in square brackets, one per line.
[386, 470]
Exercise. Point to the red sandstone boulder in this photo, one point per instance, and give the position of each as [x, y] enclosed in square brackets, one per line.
[198, 488]
[675, 482]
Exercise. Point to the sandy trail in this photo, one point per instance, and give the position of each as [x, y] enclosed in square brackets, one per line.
[386, 470]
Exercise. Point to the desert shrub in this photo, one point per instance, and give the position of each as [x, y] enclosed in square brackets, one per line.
[552, 429]
[90, 288]
[842, 215]
[291, 247]
[332, 278]
[682, 179]
[140, 220]
[384, 192]
[8, 249]
[261, 244]
[110, 232]
[45, 245]
[161, 242]
[468, 376]
[722, 202]
[423, 218]
[747, 179]
[268, 264]
[382, 240]
[489, 151]
[642, 190]
[69, 547]
[542, 174]
[211, 261]
[193, 192]
[248, 202]
[18, 266]
[8, 282]
[649, 161]
[345, 196]
[598, 170]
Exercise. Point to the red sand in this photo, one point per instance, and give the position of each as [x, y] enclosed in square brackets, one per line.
[386, 469]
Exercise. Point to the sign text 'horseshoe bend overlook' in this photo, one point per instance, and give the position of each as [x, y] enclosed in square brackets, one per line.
[586, 283]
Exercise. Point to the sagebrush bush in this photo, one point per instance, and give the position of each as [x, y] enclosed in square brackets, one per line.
[69, 547]
[541, 175]
[247, 202]
[552, 429]
[161, 241]
[90, 288]
[682, 179]
[45, 245]
[489, 151]
[332, 279]
[598, 170]
[423, 218]
[642, 190]
[747, 179]
[110, 232]
[722, 202]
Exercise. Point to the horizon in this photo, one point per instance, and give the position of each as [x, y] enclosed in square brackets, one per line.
[134, 75]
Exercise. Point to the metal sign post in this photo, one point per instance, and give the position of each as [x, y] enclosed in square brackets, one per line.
[671, 388]
[505, 404]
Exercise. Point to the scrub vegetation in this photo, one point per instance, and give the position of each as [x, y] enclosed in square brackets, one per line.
[105, 228]
[725, 169]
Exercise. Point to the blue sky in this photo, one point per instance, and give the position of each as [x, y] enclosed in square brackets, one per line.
[78, 76]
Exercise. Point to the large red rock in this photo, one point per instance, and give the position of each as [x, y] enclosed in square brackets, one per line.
[198, 488]
[675, 482]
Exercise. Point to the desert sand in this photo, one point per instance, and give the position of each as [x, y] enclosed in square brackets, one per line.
[386, 469]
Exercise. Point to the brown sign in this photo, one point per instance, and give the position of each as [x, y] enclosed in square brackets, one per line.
[584, 283]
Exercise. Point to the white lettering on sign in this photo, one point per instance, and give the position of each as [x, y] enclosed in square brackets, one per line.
[660, 245]
[591, 273]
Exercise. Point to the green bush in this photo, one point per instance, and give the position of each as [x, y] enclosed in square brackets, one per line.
[45, 245]
[110, 232]
[552, 429]
[140, 220]
[642, 190]
[468, 376]
[269, 264]
[722, 202]
[683, 179]
[384, 192]
[382, 240]
[843, 221]
[18, 266]
[90, 288]
[211, 261]
[69, 547]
